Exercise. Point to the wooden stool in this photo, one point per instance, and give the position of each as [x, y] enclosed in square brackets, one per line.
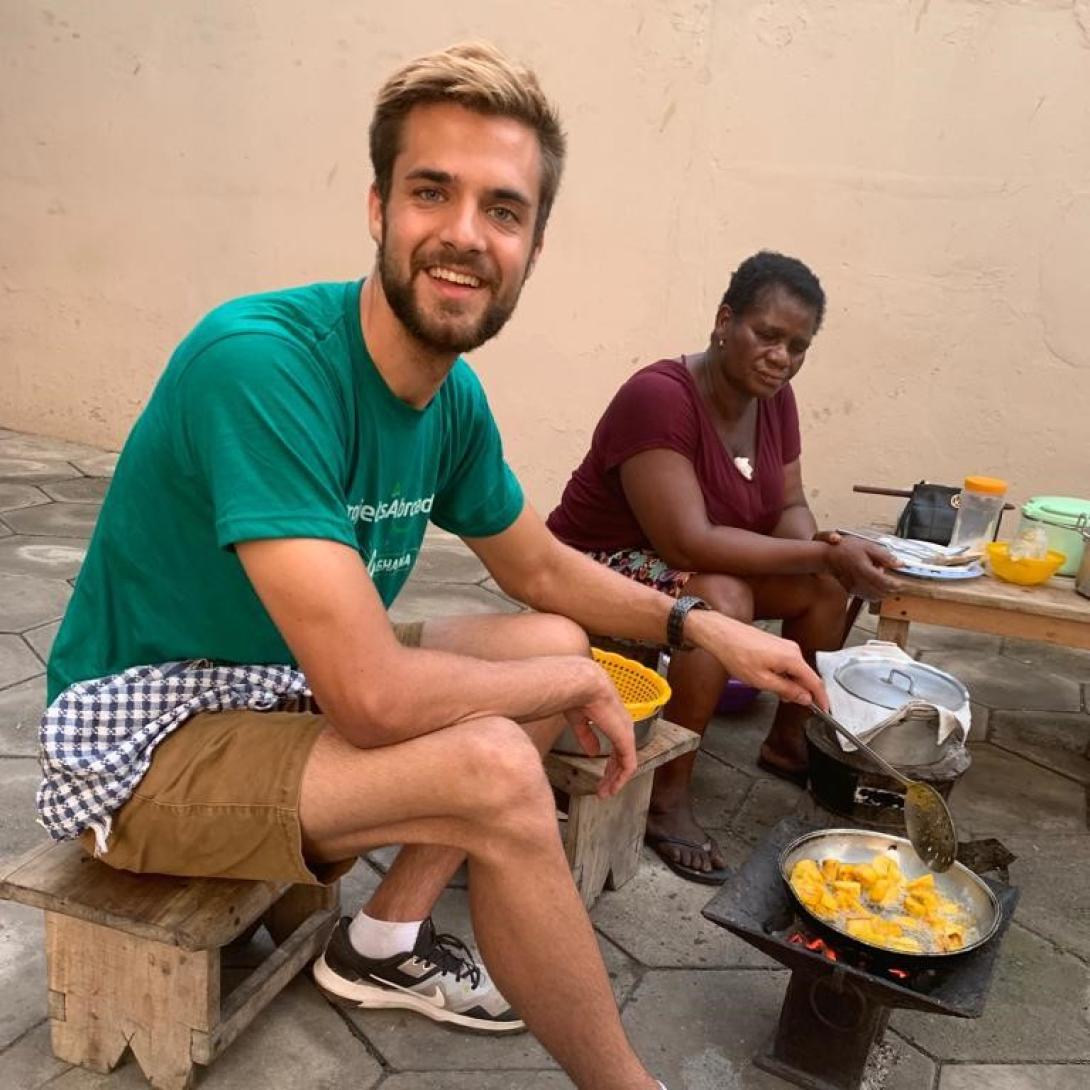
[134, 960]
[604, 836]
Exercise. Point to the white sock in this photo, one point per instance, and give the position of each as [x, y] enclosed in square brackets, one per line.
[381, 938]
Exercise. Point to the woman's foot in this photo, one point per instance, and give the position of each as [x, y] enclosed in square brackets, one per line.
[685, 847]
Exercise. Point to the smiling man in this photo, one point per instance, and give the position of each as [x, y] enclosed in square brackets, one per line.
[228, 694]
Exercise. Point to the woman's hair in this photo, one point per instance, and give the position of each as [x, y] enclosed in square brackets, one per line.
[769, 270]
[479, 77]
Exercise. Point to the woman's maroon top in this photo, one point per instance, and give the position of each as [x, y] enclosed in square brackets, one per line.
[660, 407]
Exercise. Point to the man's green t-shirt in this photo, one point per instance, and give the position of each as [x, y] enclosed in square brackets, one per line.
[271, 421]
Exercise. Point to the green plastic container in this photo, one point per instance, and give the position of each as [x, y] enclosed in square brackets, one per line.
[1059, 515]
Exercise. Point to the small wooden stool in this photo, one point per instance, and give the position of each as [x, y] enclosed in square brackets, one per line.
[134, 960]
[604, 836]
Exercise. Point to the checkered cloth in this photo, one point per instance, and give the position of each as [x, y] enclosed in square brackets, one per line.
[97, 738]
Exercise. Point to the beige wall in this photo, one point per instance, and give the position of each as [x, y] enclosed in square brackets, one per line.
[929, 158]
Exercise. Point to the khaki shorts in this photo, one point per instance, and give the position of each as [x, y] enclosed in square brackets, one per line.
[221, 799]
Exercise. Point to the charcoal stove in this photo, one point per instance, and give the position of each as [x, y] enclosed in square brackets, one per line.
[840, 994]
[849, 784]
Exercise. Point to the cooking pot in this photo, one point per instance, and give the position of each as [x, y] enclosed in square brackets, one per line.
[860, 846]
[1082, 576]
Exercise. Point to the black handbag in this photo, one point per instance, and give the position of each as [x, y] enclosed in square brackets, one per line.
[929, 514]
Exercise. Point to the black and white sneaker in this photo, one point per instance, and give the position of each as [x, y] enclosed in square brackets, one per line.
[438, 978]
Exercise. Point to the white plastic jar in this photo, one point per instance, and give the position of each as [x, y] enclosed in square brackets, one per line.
[980, 504]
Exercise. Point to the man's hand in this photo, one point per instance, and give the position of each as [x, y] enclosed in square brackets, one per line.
[606, 712]
[860, 566]
[757, 657]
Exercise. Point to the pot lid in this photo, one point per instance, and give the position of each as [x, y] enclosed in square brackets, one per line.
[1057, 510]
[891, 683]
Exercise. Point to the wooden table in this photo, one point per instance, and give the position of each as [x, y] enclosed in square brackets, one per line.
[1051, 612]
[603, 837]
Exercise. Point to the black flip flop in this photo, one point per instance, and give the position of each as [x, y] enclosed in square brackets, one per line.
[798, 777]
[707, 877]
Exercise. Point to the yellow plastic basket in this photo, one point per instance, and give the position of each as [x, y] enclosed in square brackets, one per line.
[642, 691]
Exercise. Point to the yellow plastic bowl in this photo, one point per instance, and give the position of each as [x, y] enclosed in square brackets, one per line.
[1027, 572]
[642, 691]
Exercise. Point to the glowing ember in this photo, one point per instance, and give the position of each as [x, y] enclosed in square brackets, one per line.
[898, 974]
[819, 946]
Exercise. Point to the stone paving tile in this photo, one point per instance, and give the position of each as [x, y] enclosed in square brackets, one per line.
[34, 470]
[1052, 873]
[479, 1080]
[27, 601]
[42, 446]
[299, 1040]
[1057, 740]
[769, 802]
[409, 1042]
[21, 708]
[719, 1020]
[46, 557]
[41, 639]
[736, 738]
[54, 520]
[16, 496]
[718, 791]
[78, 490]
[656, 919]
[1014, 1077]
[19, 828]
[426, 601]
[1049, 658]
[17, 661]
[1036, 1008]
[1014, 685]
[444, 559]
[22, 973]
[1002, 794]
[30, 1063]
[930, 637]
[102, 464]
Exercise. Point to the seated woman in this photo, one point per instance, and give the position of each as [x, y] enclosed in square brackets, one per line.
[693, 484]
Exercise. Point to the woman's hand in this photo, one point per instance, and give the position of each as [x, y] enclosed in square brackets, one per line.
[859, 566]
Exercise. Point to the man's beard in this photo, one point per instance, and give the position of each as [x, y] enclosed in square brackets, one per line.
[435, 334]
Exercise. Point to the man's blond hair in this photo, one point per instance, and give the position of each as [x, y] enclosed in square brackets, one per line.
[479, 77]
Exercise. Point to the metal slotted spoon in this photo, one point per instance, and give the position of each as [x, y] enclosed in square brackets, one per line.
[928, 821]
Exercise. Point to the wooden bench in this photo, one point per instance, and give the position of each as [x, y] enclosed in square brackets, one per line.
[134, 960]
[603, 837]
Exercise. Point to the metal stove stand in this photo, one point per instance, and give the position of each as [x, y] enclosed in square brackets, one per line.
[835, 1012]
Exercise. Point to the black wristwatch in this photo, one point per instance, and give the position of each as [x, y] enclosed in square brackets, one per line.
[675, 623]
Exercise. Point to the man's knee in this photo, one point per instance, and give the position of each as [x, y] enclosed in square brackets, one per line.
[502, 768]
[552, 634]
[727, 594]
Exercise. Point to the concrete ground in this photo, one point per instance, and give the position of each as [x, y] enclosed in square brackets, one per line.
[697, 1002]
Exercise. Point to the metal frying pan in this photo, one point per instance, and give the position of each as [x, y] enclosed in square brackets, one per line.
[860, 846]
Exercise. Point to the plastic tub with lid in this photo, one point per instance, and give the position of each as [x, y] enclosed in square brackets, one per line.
[1059, 515]
[980, 504]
